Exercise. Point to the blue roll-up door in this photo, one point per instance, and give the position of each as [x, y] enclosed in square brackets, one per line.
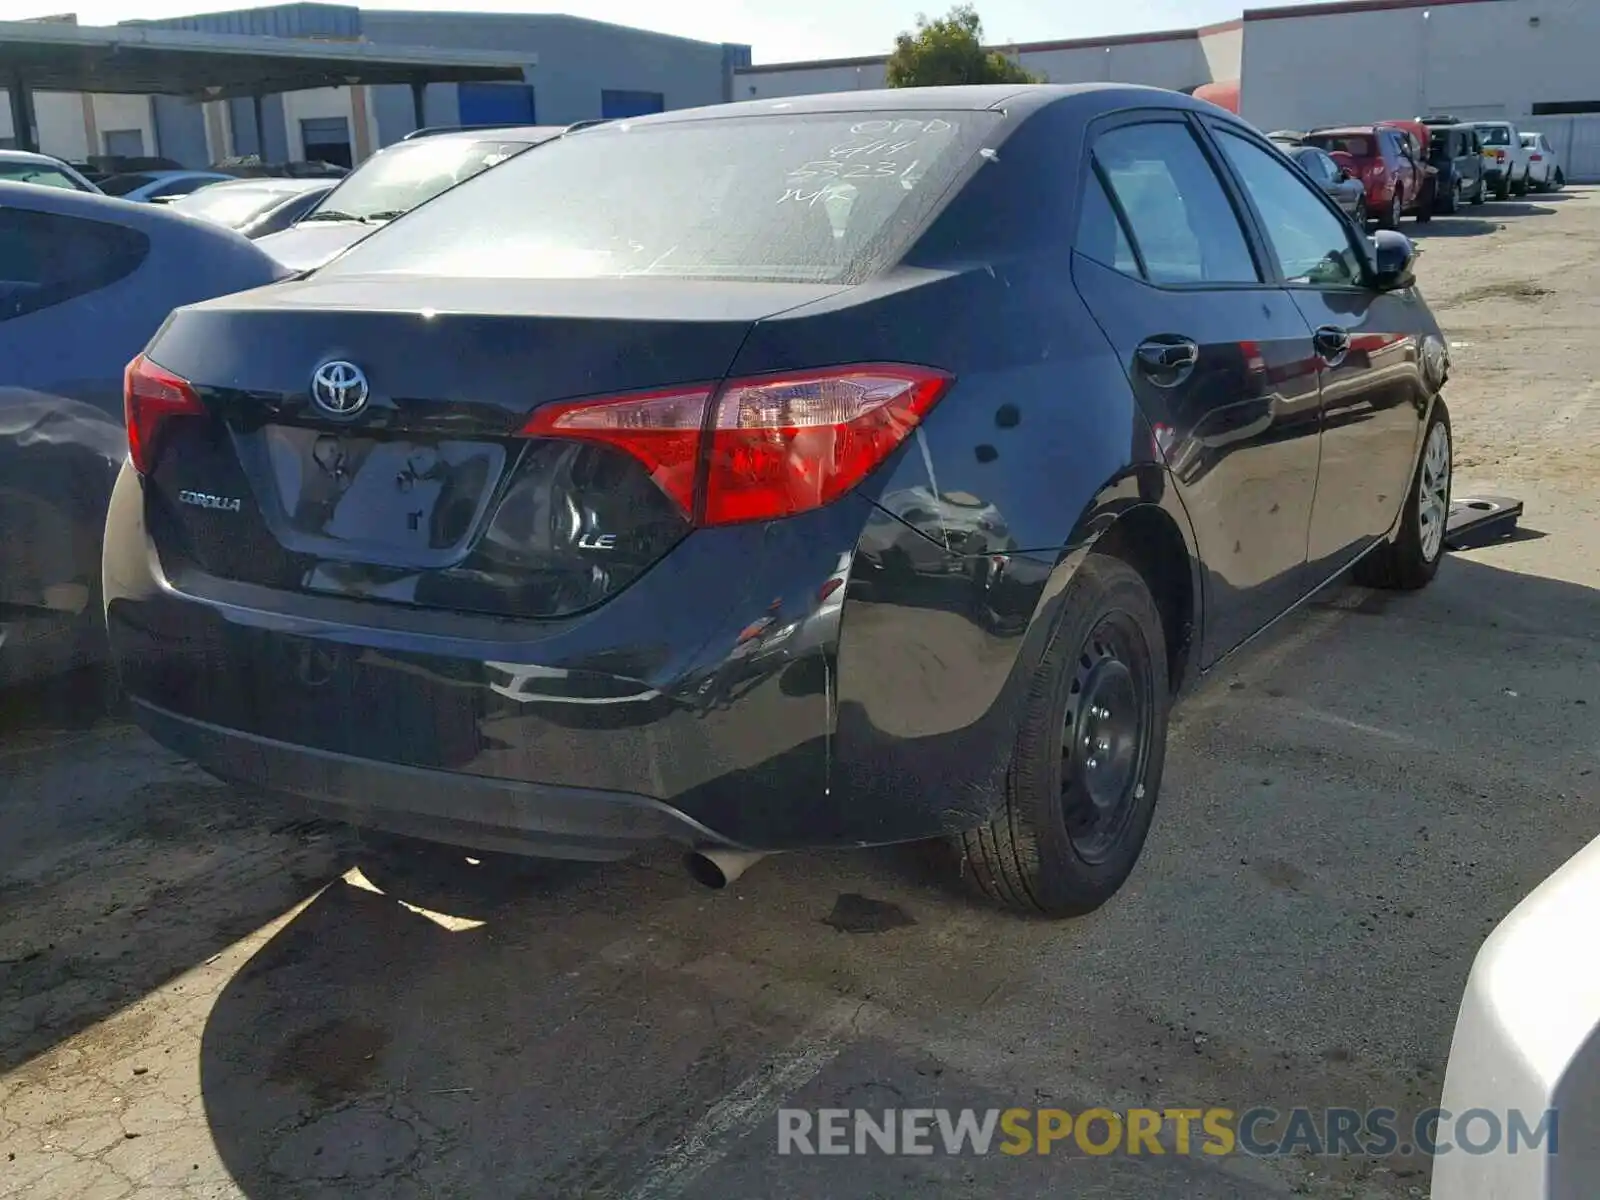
[616, 103]
[495, 103]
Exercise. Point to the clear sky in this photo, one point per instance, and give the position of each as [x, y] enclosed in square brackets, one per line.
[777, 30]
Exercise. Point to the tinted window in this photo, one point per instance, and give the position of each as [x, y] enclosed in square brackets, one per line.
[121, 185]
[1353, 144]
[800, 198]
[1181, 220]
[1100, 232]
[404, 176]
[1309, 240]
[1495, 135]
[46, 258]
[39, 173]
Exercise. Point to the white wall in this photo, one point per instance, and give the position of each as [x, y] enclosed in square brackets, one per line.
[807, 81]
[1475, 60]
[310, 105]
[1223, 48]
[122, 112]
[1176, 62]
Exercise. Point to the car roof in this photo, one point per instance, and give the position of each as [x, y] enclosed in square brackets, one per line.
[506, 133]
[92, 206]
[31, 157]
[272, 183]
[1013, 99]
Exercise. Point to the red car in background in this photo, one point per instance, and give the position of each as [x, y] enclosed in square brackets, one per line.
[1381, 157]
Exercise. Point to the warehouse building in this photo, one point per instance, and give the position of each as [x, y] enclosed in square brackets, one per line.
[575, 69]
[1533, 61]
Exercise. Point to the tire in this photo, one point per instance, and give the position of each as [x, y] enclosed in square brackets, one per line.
[1452, 200]
[1052, 850]
[1560, 181]
[1520, 188]
[1391, 216]
[1502, 188]
[1482, 194]
[1412, 559]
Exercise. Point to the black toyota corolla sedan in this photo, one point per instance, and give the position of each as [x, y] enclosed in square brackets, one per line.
[833, 471]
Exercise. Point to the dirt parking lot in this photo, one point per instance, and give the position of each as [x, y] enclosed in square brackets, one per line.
[202, 997]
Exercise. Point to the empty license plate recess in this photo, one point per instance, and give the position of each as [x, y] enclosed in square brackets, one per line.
[394, 501]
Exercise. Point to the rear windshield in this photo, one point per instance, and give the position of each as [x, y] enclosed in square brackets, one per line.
[229, 205]
[1352, 144]
[121, 185]
[1495, 135]
[411, 173]
[825, 198]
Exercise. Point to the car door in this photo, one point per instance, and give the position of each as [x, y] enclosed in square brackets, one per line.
[1369, 348]
[1219, 358]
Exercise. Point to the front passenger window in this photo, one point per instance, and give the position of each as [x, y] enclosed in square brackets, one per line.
[1311, 242]
[1182, 224]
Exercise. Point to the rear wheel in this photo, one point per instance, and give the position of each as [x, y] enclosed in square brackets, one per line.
[1502, 188]
[1560, 180]
[1391, 215]
[1412, 559]
[1481, 193]
[1086, 765]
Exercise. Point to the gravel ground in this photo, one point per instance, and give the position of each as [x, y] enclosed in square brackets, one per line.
[203, 997]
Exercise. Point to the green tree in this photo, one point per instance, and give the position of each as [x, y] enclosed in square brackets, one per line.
[950, 50]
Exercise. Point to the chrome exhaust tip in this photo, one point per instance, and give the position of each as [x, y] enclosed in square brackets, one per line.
[716, 869]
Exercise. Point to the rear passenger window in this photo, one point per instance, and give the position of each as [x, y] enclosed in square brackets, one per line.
[47, 258]
[1181, 222]
[1100, 232]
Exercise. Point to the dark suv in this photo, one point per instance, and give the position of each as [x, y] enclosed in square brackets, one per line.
[1456, 152]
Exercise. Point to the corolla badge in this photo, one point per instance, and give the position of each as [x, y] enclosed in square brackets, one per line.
[340, 388]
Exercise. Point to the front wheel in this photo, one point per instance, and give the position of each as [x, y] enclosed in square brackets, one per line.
[1086, 764]
[1412, 559]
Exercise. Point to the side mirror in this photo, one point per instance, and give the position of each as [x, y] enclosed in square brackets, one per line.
[1394, 261]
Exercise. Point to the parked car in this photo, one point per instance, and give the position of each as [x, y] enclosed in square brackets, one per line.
[1340, 183]
[392, 182]
[1505, 158]
[1544, 168]
[159, 187]
[1378, 155]
[84, 281]
[1456, 154]
[24, 166]
[589, 436]
[254, 207]
[1527, 1044]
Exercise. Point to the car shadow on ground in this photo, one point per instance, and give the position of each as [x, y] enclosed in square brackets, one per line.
[493, 1028]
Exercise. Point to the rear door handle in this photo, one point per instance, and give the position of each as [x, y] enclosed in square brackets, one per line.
[1332, 343]
[1167, 361]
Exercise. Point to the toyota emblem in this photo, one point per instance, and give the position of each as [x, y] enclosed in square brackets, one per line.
[340, 388]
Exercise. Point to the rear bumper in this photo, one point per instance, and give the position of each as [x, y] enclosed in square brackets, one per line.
[656, 717]
[461, 810]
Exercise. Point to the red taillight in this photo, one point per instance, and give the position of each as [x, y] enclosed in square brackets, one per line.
[151, 395]
[1535, 158]
[1499, 155]
[775, 445]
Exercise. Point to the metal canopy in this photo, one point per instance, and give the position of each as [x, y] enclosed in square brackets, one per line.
[207, 66]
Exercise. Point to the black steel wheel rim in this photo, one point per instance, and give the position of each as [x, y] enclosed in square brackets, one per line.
[1105, 736]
